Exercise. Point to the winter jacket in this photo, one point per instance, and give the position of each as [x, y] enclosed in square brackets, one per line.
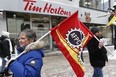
[5, 47]
[28, 65]
[97, 56]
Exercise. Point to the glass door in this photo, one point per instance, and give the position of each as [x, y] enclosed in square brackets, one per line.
[41, 26]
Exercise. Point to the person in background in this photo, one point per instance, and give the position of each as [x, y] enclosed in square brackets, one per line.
[97, 53]
[6, 49]
[13, 45]
[30, 63]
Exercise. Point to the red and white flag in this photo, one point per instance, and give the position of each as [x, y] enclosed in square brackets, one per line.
[71, 35]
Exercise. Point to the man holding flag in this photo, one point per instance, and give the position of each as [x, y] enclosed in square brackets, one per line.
[97, 53]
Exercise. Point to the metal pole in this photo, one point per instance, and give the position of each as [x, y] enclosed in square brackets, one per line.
[115, 28]
[115, 39]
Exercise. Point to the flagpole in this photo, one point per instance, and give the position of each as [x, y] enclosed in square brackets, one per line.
[44, 36]
[105, 47]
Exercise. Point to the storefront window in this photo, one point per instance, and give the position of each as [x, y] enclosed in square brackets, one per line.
[107, 34]
[55, 21]
[95, 4]
[41, 26]
[19, 21]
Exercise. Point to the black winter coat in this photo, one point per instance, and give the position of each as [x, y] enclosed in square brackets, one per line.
[97, 56]
[5, 47]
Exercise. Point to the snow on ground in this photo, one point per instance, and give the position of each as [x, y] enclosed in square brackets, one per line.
[113, 56]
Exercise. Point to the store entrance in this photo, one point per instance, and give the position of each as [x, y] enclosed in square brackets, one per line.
[41, 27]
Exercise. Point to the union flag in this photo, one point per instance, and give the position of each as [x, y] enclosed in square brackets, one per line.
[71, 35]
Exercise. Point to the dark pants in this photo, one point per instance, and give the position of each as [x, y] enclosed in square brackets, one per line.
[97, 72]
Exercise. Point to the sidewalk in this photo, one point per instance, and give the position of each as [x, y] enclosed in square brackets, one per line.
[56, 65]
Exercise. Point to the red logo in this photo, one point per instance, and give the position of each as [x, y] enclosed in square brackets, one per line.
[30, 6]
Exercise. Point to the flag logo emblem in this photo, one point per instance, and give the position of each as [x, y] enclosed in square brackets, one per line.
[75, 38]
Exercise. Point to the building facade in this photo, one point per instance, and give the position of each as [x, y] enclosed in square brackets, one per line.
[39, 15]
[95, 13]
[42, 15]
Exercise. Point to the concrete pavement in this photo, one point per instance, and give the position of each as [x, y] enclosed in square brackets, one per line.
[57, 66]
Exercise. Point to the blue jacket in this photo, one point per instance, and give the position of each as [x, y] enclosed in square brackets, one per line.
[28, 65]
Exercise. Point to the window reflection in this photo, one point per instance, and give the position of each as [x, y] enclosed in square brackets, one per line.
[95, 4]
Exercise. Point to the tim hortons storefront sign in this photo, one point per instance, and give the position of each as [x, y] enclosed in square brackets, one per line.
[47, 8]
[37, 6]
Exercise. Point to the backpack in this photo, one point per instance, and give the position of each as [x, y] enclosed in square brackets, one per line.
[2, 55]
[1, 50]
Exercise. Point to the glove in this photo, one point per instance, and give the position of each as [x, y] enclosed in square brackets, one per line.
[101, 45]
[34, 45]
